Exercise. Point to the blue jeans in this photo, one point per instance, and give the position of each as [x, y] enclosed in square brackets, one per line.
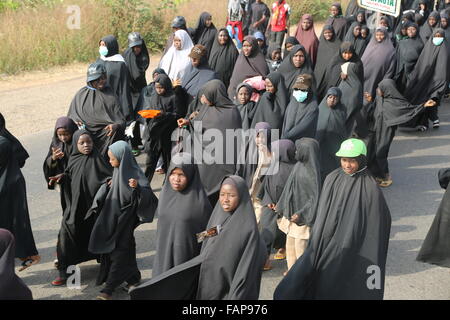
[235, 36]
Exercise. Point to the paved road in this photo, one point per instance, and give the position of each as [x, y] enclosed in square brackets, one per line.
[413, 199]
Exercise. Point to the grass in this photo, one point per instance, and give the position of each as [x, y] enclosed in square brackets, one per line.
[38, 38]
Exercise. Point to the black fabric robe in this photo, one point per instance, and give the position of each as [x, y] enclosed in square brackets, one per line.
[426, 30]
[339, 23]
[196, 77]
[350, 234]
[12, 287]
[271, 189]
[181, 215]
[379, 62]
[121, 211]
[222, 58]
[204, 35]
[53, 168]
[331, 132]
[290, 72]
[137, 66]
[326, 52]
[248, 67]
[97, 109]
[247, 111]
[237, 251]
[302, 189]
[436, 246]
[300, 119]
[118, 77]
[271, 107]
[13, 195]
[84, 176]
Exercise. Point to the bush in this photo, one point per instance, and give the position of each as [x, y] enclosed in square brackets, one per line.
[319, 9]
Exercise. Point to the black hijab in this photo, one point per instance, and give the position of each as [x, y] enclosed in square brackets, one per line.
[195, 77]
[12, 287]
[248, 67]
[339, 23]
[271, 107]
[247, 111]
[350, 234]
[361, 43]
[181, 215]
[379, 61]
[300, 118]
[302, 188]
[427, 80]
[122, 203]
[222, 58]
[352, 91]
[98, 109]
[426, 30]
[327, 50]
[291, 40]
[331, 131]
[19, 151]
[333, 73]
[222, 115]
[240, 246]
[137, 66]
[205, 35]
[290, 72]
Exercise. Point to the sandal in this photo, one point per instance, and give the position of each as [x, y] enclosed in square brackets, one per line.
[280, 255]
[436, 124]
[29, 261]
[58, 282]
[386, 183]
[103, 296]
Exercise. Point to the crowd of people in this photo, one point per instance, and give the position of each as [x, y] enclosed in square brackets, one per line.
[313, 117]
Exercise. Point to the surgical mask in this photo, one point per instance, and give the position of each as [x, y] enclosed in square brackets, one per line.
[300, 95]
[437, 41]
[103, 51]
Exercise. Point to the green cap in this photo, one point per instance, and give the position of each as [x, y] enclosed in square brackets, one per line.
[352, 148]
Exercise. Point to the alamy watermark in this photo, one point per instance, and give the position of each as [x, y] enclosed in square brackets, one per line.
[74, 20]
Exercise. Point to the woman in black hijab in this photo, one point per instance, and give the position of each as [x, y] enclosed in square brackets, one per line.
[123, 203]
[250, 63]
[297, 63]
[13, 196]
[12, 287]
[300, 118]
[288, 45]
[331, 130]
[391, 110]
[428, 28]
[299, 200]
[283, 159]
[338, 21]
[117, 74]
[216, 112]
[329, 45]
[183, 211]
[407, 53]
[429, 79]
[333, 73]
[231, 244]
[158, 131]
[58, 155]
[223, 56]
[361, 46]
[272, 104]
[245, 106]
[206, 32]
[349, 238]
[86, 171]
[379, 62]
[436, 246]
[96, 108]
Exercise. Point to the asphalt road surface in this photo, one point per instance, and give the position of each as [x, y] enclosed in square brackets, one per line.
[413, 200]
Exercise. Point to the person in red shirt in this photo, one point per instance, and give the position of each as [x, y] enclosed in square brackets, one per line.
[279, 22]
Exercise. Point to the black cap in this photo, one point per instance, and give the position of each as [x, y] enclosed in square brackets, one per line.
[134, 39]
[179, 22]
[95, 71]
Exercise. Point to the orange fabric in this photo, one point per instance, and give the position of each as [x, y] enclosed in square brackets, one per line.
[149, 114]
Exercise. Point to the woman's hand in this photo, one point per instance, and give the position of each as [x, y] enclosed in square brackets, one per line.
[111, 130]
[271, 206]
[430, 103]
[176, 83]
[295, 218]
[344, 76]
[57, 154]
[55, 179]
[368, 97]
[182, 122]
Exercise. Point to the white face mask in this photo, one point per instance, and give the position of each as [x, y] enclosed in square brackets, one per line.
[300, 95]
[103, 51]
[437, 41]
